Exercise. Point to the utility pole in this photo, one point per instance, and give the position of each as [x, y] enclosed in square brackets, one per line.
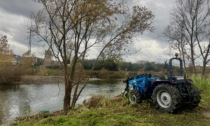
[29, 44]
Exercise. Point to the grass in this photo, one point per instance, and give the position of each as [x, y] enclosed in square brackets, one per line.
[99, 111]
[204, 85]
[119, 114]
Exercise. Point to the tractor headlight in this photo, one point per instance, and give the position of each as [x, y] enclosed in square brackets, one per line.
[130, 87]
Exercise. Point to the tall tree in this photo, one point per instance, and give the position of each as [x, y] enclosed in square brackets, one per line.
[5, 51]
[202, 31]
[191, 18]
[4, 46]
[73, 27]
[205, 52]
[8, 72]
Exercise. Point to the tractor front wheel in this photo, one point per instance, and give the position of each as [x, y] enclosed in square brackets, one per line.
[166, 98]
[134, 97]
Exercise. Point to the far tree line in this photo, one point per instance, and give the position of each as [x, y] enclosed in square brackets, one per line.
[112, 65]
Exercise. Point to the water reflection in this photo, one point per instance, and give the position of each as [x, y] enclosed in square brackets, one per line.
[13, 102]
[11, 87]
[25, 99]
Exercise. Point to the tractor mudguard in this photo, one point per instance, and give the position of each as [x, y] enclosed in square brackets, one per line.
[156, 83]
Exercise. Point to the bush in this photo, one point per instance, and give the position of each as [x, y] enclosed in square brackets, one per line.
[204, 85]
[104, 73]
[94, 101]
[9, 74]
[111, 74]
[118, 74]
[93, 74]
[43, 71]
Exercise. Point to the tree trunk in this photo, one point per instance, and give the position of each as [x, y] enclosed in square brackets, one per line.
[193, 59]
[66, 104]
[184, 63]
[204, 68]
[193, 65]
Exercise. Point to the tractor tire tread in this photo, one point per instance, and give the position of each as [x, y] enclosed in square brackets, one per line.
[138, 96]
[175, 95]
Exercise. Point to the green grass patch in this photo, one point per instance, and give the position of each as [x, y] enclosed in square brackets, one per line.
[119, 114]
[203, 84]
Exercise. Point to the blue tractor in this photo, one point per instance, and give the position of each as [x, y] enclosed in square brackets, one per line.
[167, 95]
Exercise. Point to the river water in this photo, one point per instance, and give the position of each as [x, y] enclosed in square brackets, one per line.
[27, 99]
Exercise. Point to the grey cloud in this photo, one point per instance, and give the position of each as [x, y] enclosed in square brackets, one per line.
[18, 32]
[4, 29]
[20, 7]
[162, 10]
[22, 36]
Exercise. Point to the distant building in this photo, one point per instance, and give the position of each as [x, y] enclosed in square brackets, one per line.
[142, 62]
[47, 58]
[16, 59]
[27, 57]
[48, 61]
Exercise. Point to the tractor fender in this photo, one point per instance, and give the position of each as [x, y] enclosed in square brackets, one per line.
[156, 83]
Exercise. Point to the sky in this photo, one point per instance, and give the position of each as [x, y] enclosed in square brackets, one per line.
[14, 15]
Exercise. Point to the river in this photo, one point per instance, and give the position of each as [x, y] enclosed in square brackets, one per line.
[27, 99]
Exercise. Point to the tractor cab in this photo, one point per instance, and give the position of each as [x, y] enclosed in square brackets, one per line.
[175, 70]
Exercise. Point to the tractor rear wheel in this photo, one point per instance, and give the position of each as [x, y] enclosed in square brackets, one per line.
[196, 98]
[195, 102]
[134, 97]
[166, 98]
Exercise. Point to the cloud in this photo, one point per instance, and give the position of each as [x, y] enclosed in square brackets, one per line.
[14, 15]
[11, 25]
[150, 50]
[14, 26]
[162, 10]
[152, 45]
[20, 7]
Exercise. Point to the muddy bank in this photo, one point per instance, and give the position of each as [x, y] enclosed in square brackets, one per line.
[41, 79]
[33, 79]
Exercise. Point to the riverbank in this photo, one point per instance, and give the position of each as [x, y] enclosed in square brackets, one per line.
[35, 79]
[117, 112]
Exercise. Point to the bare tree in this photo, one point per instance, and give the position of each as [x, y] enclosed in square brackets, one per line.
[73, 27]
[175, 34]
[202, 28]
[191, 17]
[205, 52]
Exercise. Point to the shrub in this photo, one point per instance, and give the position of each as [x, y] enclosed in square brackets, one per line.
[104, 73]
[94, 101]
[204, 85]
[118, 74]
[9, 74]
[43, 71]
